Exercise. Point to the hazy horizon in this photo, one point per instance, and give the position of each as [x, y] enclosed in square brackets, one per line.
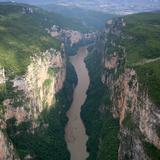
[111, 6]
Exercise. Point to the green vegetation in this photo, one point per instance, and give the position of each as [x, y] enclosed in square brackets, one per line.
[17, 41]
[128, 122]
[90, 111]
[7, 92]
[100, 126]
[52, 71]
[151, 151]
[88, 20]
[47, 83]
[2, 91]
[149, 77]
[22, 34]
[47, 141]
[109, 138]
[140, 38]
[72, 50]
[142, 32]
[158, 131]
[47, 19]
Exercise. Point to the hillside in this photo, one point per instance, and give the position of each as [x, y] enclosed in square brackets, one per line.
[36, 84]
[144, 29]
[133, 53]
[142, 45]
[17, 42]
[90, 19]
[140, 39]
[110, 6]
[121, 114]
[18, 23]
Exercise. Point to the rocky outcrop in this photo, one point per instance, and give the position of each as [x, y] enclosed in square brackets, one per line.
[149, 119]
[44, 78]
[35, 91]
[27, 10]
[2, 76]
[71, 37]
[139, 117]
[7, 151]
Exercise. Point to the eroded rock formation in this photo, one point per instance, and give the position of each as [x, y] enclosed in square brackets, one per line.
[139, 117]
[36, 91]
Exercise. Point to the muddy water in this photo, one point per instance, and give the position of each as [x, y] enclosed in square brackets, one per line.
[75, 135]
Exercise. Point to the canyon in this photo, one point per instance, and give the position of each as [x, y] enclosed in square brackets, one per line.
[131, 103]
[67, 95]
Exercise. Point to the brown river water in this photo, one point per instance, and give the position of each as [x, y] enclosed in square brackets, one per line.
[75, 134]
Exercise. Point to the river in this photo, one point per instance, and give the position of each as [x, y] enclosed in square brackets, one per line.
[75, 134]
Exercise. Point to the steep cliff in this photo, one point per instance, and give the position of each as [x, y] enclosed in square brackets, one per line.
[72, 39]
[36, 86]
[121, 113]
[101, 128]
[44, 78]
[33, 93]
[7, 150]
[131, 83]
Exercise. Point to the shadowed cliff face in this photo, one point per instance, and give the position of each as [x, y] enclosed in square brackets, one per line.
[138, 115]
[6, 148]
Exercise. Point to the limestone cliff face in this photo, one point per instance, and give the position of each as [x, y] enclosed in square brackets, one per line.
[139, 117]
[7, 151]
[71, 37]
[44, 78]
[2, 76]
[35, 91]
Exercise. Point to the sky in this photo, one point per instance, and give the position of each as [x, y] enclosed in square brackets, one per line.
[115, 6]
